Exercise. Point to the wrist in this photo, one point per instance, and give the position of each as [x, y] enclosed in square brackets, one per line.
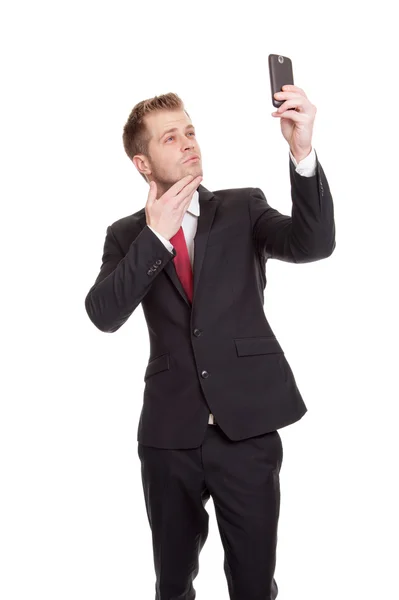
[298, 157]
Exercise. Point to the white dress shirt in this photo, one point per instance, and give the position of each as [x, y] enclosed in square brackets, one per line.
[306, 167]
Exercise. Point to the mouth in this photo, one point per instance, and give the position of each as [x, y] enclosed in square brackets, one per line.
[192, 159]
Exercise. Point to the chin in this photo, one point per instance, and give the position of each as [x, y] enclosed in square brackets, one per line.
[194, 169]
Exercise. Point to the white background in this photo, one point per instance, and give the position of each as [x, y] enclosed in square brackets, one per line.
[73, 520]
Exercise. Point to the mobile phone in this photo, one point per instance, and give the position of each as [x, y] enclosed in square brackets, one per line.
[280, 70]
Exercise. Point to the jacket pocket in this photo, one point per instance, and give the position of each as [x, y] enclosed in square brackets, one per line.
[156, 365]
[257, 345]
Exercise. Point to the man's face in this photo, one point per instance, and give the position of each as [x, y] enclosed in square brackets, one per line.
[168, 150]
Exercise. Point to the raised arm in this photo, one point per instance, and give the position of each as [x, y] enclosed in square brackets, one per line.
[305, 236]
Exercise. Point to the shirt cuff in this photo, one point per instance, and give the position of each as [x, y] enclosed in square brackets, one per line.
[165, 242]
[307, 166]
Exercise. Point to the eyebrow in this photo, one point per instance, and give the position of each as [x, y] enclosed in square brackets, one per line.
[175, 129]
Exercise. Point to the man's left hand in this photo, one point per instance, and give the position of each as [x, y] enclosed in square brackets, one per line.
[296, 125]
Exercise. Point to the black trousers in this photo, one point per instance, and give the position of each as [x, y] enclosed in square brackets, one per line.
[243, 479]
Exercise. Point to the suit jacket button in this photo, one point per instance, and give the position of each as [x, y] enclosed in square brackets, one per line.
[204, 374]
[158, 262]
[197, 332]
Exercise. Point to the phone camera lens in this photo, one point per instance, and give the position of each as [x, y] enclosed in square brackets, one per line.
[281, 59]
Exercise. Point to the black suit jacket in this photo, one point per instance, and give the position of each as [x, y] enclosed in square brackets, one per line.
[220, 353]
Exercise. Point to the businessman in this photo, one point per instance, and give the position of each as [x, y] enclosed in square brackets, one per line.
[217, 385]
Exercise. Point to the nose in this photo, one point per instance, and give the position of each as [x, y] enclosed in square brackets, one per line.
[188, 145]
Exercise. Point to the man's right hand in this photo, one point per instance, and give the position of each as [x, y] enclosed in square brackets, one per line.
[165, 214]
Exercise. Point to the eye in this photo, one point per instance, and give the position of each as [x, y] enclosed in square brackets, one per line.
[171, 137]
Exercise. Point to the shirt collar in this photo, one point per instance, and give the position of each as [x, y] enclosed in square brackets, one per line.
[194, 204]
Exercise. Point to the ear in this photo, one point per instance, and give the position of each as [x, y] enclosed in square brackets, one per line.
[140, 162]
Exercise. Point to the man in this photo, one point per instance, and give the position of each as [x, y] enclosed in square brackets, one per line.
[217, 384]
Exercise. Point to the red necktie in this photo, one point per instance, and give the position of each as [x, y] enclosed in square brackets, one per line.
[182, 262]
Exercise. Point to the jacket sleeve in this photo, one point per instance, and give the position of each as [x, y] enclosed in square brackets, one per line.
[124, 280]
[309, 234]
